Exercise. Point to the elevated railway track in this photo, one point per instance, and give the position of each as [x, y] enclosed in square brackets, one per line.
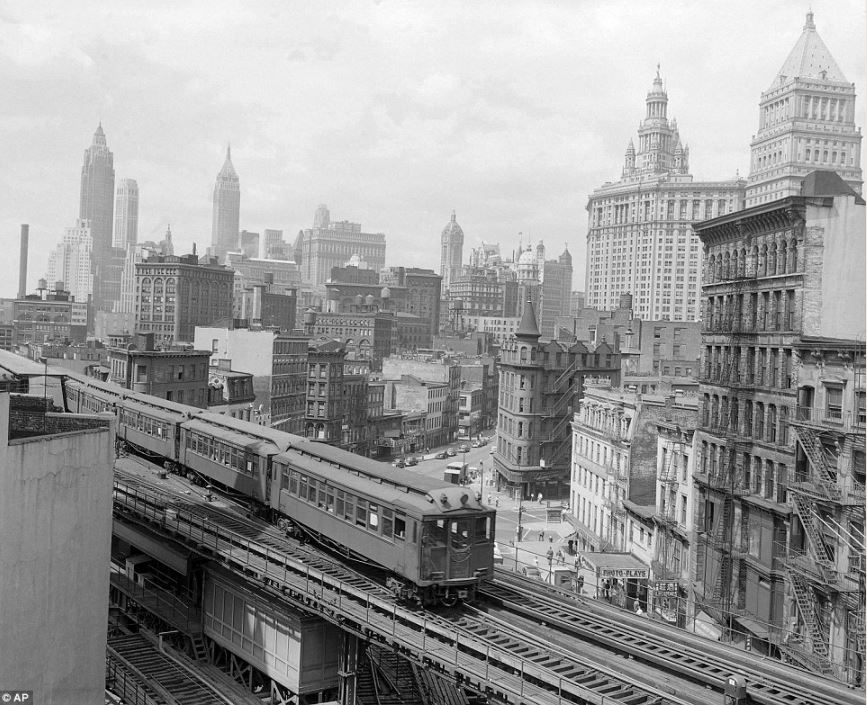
[492, 651]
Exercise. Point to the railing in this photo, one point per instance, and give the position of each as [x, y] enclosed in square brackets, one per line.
[845, 419]
[165, 605]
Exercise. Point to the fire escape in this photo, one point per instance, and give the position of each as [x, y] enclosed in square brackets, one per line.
[667, 517]
[556, 444]
[814, 573]
[736, 324]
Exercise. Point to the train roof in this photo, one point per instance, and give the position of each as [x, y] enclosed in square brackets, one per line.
[374, 478]
[155, 410]
[281, 439]
[160, 403]
[107, 388]
[242, 440]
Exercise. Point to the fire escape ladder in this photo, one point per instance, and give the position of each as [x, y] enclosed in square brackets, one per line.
[823, 477]
[804, 510]
[818, 633]
[722, 541]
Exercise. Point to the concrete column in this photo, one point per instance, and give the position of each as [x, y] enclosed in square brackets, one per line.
[347, 669]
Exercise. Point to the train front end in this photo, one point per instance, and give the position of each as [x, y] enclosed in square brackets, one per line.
[457, 545]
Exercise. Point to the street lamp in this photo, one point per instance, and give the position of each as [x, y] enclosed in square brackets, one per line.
[550, 555]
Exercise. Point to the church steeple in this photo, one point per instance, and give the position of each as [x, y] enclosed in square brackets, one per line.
[528, 329]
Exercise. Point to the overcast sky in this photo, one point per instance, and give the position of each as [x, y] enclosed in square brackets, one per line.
[391, 113]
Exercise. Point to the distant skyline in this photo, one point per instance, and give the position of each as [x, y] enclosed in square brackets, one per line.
[391, 113]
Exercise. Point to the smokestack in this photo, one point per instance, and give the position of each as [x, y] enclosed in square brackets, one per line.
[22, 261]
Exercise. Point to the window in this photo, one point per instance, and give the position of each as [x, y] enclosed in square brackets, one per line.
[859, 408]
[834, 403]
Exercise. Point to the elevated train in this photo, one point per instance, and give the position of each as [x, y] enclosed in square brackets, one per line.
[435, 540]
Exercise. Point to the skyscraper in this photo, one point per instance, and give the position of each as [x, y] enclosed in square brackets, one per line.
[806, 122]
[640, 237]
[126, 214]
[97, 193]
[452, 239]
[71, 262]
[227, 208]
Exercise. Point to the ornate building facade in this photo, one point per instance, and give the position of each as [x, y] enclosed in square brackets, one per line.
[96, 202]
[640, 237]
[806, 122]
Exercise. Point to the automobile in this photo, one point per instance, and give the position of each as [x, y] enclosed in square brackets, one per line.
[451, 452]
[399, 463]
[442, 454]
[410, 461]
[476, 444]
[531, 571]
[491, 450]
[464, 448]
[498, 556]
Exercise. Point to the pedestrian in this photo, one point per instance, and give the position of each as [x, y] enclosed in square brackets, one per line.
[541, 535]
[638, 610]
[559, 557]
[580, 584]
[489, 497]
[536, 560]
[497, 502]
[539, 497]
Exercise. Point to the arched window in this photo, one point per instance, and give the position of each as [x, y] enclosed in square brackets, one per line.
[794, 249]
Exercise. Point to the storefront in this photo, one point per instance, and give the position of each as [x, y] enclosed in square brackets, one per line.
[621, 578]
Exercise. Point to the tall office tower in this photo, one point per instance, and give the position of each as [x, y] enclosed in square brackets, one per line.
[126, 214]
[640, 237]
[227, 209]
[96, 203]
[452, 240]
[806, 122]
[556, 292]
[332, 244]
[71, 262]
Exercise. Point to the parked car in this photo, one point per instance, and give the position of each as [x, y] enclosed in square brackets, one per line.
[464, 448]
[442, 454]
[399, 463]
[531, 571]
[451, 452]
[476, 444]
[411, 461]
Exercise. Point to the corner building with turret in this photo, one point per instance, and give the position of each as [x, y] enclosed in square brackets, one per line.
[640, 238]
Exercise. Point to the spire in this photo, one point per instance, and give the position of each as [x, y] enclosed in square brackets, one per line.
[453, 215]
[228, 171]
[529, 328]
[99, 136]
[810, 58]
[631, 148]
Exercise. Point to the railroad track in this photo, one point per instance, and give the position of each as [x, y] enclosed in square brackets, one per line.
[674, 651]
[503, 662]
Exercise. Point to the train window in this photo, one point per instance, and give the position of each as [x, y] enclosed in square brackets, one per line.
[399, 527]
[460, 533]
[483, 529]
[373, 519]
[293, 483]
[387, 523]
[361, 513]
[349, 508]
[339, 507]
[323, 491]
[414, 532]
[329, 500]
[302, 487]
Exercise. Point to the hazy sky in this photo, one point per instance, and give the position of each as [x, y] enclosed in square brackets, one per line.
[391, 113]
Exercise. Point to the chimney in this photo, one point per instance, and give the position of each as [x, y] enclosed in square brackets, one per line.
[22, 261]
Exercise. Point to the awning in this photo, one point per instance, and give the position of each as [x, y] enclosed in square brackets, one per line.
[754, 626]
[706, 626]
[620, 566]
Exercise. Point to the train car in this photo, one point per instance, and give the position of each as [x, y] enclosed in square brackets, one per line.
[232, 453]
[90, 396]
[435, 539]
[154, 429]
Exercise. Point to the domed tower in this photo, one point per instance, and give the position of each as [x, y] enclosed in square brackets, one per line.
[528, 267]
[452, 241]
